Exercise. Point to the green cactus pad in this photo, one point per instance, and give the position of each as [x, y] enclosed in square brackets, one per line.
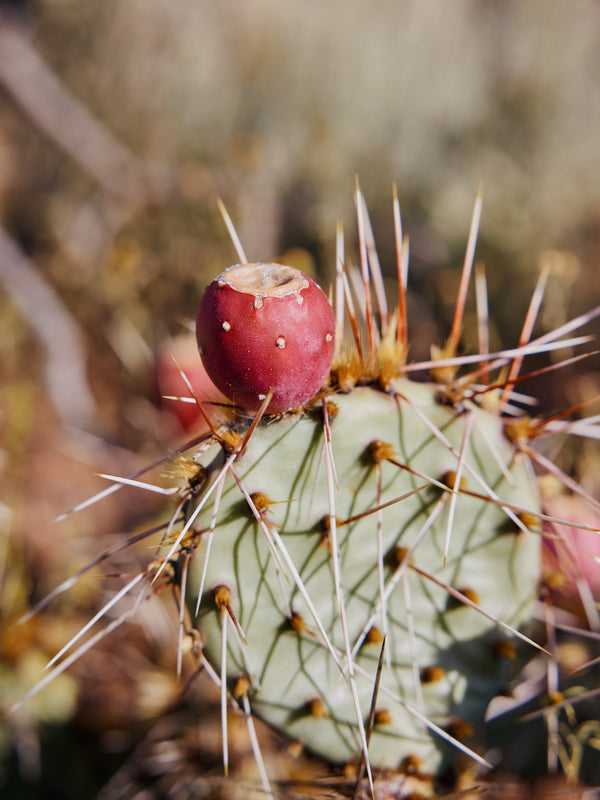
[442, 660]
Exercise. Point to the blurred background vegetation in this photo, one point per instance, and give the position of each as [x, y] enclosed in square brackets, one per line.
[121, 123]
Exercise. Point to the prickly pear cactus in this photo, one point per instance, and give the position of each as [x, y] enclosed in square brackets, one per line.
[355, 552]
[363, 562]
[391, 500]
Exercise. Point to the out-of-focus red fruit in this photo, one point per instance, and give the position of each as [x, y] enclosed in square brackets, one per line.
[577, 553]
[169, 381]
[263, 326]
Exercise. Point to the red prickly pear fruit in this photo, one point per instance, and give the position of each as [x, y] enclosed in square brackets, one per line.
[573, 553]
[169, 382]
[262, 327]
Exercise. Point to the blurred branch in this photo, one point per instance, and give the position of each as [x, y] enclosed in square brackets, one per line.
[65, 367]
[37, 89]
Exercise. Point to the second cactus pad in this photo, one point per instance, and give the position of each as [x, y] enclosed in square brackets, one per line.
[432, 572]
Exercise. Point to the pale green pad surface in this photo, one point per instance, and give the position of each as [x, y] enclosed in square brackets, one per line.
[286, 460]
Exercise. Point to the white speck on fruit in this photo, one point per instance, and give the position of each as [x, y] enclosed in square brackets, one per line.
[226, 326]
[261, 396]
[299, 298]
[258, 301]
[280, 342]
[328, 337]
